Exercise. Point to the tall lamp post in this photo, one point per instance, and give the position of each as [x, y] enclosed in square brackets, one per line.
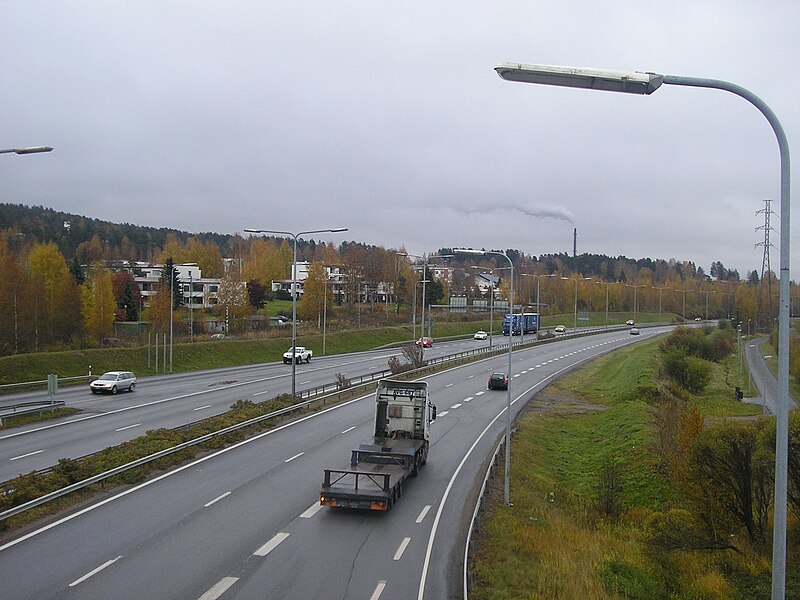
[647, 83]
[607, 284]
[294, 285]
[635, 297]
[575, 303]
[506, 485]
[491, 301]
[538, 281]
[425, 258]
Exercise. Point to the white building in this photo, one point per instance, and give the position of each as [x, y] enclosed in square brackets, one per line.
[197, 291]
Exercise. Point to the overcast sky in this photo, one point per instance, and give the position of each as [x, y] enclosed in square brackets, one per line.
[388, 119]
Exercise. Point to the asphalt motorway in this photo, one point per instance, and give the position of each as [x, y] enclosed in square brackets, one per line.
[245, 522]
[173, 400]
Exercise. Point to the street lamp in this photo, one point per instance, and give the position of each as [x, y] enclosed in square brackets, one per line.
[294, 284]
[647, 83]
[575, 304]
[491, 300]
[635, 297]
[425, 259]
[30, 150]
[506, 485]
[607, 284]
[660, 290]
[538, 280]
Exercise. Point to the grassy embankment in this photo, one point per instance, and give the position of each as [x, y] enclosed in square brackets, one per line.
[553, 544]
[209, 354]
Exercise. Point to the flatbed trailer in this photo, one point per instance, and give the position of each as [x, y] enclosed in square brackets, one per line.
[375, 478]
[378, 469]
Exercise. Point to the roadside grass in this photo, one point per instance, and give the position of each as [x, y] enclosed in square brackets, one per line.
[204, 354]
[555, 542]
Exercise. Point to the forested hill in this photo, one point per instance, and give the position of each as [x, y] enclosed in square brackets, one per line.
[83, 239]
[68, 231]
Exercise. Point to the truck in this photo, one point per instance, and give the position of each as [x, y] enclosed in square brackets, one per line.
[379, 468]
[522, 323]
[301, 354]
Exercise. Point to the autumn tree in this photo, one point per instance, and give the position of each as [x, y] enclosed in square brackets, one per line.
[98, 304]
[207, 256]
[730, 468]
[16, 304]
[314, 290]
[173, 249]
[234, 301]
[55, 295]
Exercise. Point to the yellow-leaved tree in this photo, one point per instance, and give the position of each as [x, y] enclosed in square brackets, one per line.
[55, 296]
[97, 302]
[314, 290]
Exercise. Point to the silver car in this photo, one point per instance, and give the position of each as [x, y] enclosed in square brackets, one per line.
[113, 382]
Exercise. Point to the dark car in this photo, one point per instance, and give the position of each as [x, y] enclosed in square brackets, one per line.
[498, 381]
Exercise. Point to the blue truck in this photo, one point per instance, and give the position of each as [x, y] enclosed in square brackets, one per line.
[517, 324]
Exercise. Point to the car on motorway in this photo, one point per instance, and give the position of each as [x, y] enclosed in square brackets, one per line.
[113, 382]
[560, 329]
[630, 322]
[698, 319]
[218, 336]
[498, 381]
[301, 354]
[424, 342]
[480, 335]
[634, 331]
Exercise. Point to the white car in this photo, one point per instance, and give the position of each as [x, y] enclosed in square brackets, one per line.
[634, 331]
[480, 335]
[301, 354]
[560, 329]
[113, 382]
[629, 322]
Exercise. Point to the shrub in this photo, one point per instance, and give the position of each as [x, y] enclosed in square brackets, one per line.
[690, 372]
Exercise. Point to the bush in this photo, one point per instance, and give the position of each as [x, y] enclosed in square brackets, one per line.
[690, 372]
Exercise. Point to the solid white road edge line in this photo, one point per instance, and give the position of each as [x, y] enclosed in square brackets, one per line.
[219, 588]
[437, 518]
[174, 472]
[108, 563]
[271, 545]
[119, 410]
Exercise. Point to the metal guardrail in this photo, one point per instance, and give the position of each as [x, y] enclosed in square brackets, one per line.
[160, 454]
[474, 524]
[25, 408]
[12, 387]
[365, 381]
